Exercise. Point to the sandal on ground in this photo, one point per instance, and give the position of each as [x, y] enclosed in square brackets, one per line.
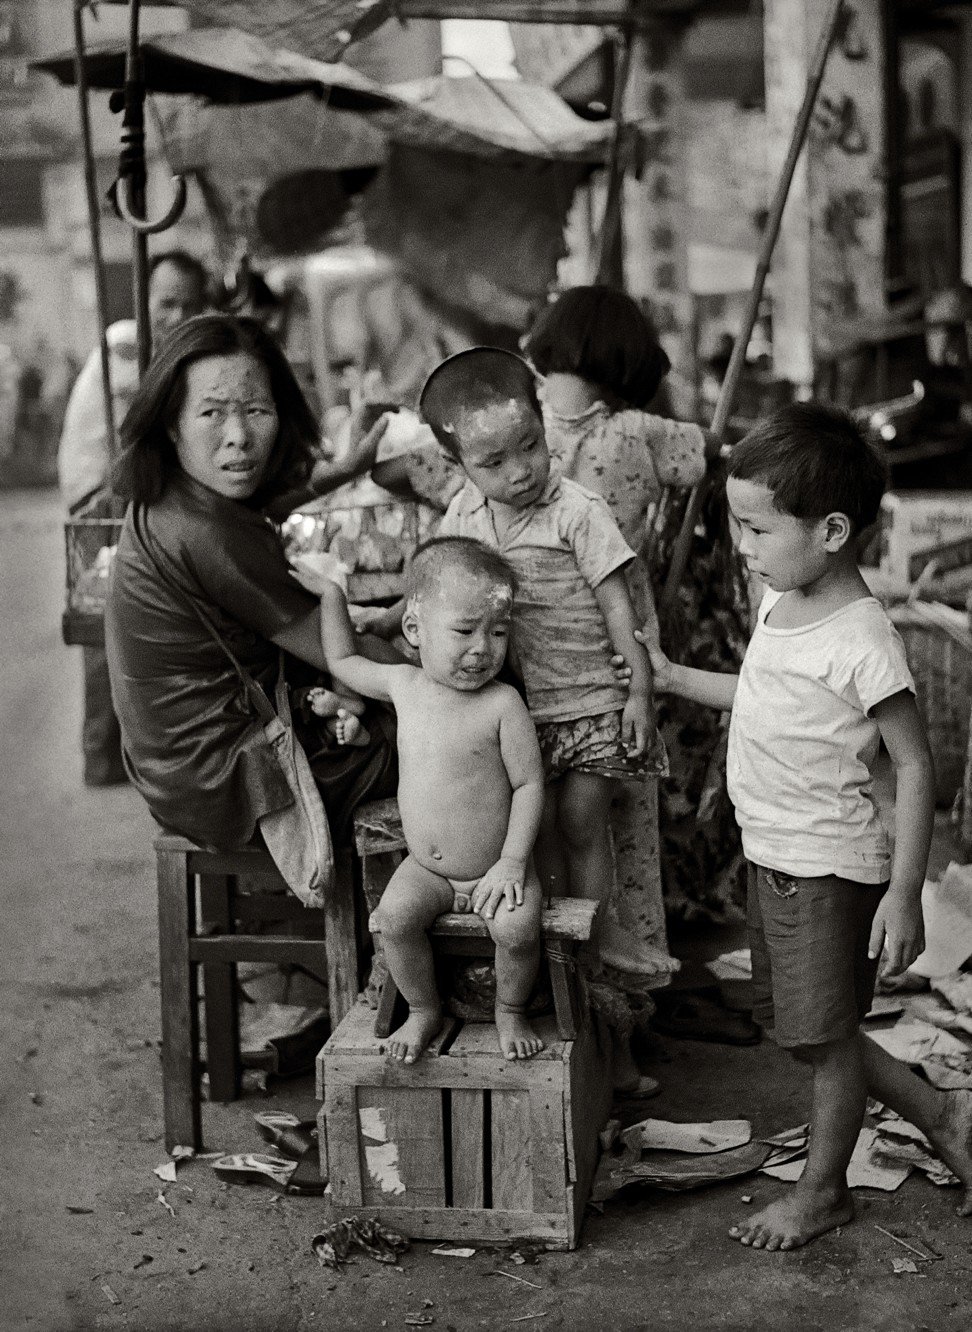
[292, 1136]
[643, 1090]
[257, 1168]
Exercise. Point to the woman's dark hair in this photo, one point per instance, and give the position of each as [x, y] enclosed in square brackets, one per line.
[815, 460]
[148, 454]
[601, 335]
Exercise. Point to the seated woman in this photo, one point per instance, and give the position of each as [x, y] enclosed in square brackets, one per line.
[216, 433]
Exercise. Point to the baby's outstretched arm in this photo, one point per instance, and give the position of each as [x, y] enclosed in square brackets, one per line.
[712, 688]
[521, 756]
[898, 917]
[340, 643]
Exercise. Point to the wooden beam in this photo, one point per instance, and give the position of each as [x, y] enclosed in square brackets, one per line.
[598, 12]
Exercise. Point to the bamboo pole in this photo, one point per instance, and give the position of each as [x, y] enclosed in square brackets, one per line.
[727, 393]
[94, 218]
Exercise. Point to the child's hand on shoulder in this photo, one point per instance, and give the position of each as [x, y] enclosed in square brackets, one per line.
[503, 880]
[899, 926]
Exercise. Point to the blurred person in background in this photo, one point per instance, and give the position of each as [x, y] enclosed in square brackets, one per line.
[178, 286]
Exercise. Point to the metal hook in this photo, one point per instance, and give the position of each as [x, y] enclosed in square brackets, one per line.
[142, 225]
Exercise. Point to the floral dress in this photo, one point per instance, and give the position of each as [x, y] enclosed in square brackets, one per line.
[629, 457]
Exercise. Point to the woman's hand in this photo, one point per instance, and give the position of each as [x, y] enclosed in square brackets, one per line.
[317, 570]
[365, 435]
[661, 667]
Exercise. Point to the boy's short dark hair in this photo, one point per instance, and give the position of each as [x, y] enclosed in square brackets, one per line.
[602, 335]
[433, 557]
[816, 460]
[474, 379]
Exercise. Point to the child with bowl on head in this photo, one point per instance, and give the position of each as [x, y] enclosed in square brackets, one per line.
[470, 781]
[572, 610]
[823, 683]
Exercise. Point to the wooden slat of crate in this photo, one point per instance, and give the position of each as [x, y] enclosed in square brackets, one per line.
[468, 1148]
[587, 1105]
[459, 1225]
[511, 1136]
[354, 1055]
[404, 1154]
[343, 1157]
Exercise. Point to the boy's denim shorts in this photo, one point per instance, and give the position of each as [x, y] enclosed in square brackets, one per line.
[813, 981]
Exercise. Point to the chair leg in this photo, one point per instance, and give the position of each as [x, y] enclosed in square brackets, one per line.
[341, 943]
[220, 994]
[180, 1033]
[387, 1004]
[563, 982]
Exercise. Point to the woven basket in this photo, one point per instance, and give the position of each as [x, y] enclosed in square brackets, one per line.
[939, 648]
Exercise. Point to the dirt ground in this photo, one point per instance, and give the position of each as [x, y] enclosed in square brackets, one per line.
[87, 1241]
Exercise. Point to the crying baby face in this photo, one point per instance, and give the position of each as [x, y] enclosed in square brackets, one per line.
[461, 627]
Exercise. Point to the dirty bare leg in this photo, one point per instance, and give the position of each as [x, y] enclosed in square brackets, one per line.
[549, 850]
[582, 819]
[945, 1117]
[409, 905]
[516, 934]
[821, 1199]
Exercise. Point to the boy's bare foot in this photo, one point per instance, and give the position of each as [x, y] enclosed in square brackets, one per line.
[414, 1035]
[795, 1220]
[952, 1139]
[517, 1038]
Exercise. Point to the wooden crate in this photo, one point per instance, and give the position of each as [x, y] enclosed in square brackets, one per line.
[463, 1145]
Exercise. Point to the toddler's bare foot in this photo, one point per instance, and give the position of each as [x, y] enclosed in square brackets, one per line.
[414, 1035]
[797, 1219]
[517, 1038]
[952, 1139]
[348, 730]
[326, 703]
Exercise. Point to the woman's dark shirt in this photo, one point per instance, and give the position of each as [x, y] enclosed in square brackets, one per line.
[189, 739]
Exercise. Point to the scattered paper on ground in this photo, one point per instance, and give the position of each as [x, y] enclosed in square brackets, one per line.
[947, 910]
[675, 1171]
[913, 1041]
[166, 1172]
[703, 1139]
[867, 1170]
[956, 989]
[737, 965]
[884, 1006]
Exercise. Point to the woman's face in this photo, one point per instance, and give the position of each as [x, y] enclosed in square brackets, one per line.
[227, 426]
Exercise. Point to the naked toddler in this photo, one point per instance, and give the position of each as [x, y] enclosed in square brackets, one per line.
[470, 785]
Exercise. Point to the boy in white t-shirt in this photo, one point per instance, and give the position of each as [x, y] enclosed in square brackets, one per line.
[824, 682]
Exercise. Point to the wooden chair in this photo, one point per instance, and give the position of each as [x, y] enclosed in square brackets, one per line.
[565, 925]
[212, 932]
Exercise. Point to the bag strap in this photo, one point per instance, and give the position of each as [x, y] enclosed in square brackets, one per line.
[258, 698]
